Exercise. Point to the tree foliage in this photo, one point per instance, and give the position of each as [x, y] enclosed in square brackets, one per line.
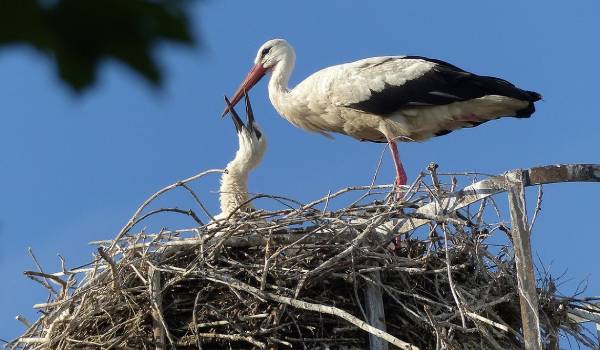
[79, 34]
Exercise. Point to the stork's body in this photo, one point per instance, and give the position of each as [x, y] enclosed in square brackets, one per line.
[386, 99]
[233, 195]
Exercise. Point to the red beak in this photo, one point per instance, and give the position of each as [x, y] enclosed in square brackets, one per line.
[257, 72]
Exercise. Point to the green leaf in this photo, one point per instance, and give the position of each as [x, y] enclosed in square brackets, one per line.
[79, 34]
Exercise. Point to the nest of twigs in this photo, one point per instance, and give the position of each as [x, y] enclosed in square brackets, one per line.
[304, 277]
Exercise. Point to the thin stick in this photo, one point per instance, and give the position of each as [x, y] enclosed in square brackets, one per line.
[488, 321]
[39, 267]
[234, 337]
[450, 280]
[173, 210]
[223, 323]
[373, 179]
[538, 207]
[113, 268]
[45, 276]
[197, 200]
[23, 320]
[432, 167]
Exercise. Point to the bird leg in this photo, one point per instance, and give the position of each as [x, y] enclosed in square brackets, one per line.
[400, 173]
[400, 181]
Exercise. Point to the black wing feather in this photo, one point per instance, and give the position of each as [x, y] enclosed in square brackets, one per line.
[443, 84]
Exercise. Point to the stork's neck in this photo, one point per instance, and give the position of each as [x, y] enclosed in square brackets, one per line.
[278, 84]
[234, 183]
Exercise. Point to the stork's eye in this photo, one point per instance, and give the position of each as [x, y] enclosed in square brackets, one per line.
[265, 51]
[258, 133]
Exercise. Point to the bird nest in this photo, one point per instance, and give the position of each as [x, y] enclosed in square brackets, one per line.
[306, 277]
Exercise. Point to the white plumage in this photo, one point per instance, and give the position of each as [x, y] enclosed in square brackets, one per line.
[385, 99]
[234, 182]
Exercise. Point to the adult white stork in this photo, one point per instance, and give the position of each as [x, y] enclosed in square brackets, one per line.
[385, 99]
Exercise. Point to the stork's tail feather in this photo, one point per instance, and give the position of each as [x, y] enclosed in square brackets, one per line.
[533, 96]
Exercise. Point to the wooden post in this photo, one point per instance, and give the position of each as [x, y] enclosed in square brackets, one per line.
[375, 311]
[524, 261]
[156, 304]
[553, 339]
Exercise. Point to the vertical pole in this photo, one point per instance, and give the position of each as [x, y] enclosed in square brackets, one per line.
[375, 311]
[156, 303]
[524, 261]
[553, 339]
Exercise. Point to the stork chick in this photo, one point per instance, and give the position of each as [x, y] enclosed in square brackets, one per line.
[234, 182]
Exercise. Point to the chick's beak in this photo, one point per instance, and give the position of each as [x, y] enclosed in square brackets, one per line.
[237, 121]
[249, 113]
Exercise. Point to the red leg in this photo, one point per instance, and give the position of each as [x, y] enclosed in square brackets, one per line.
[400, 173]
[400, 181]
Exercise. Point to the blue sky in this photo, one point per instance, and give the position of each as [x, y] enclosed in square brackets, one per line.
[74, 168]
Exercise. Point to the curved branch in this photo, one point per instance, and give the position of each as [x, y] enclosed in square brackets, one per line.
[497, 184]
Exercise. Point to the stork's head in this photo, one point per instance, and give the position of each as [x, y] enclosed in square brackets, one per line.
[252, 141]
[272, 52]
[268, 56]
